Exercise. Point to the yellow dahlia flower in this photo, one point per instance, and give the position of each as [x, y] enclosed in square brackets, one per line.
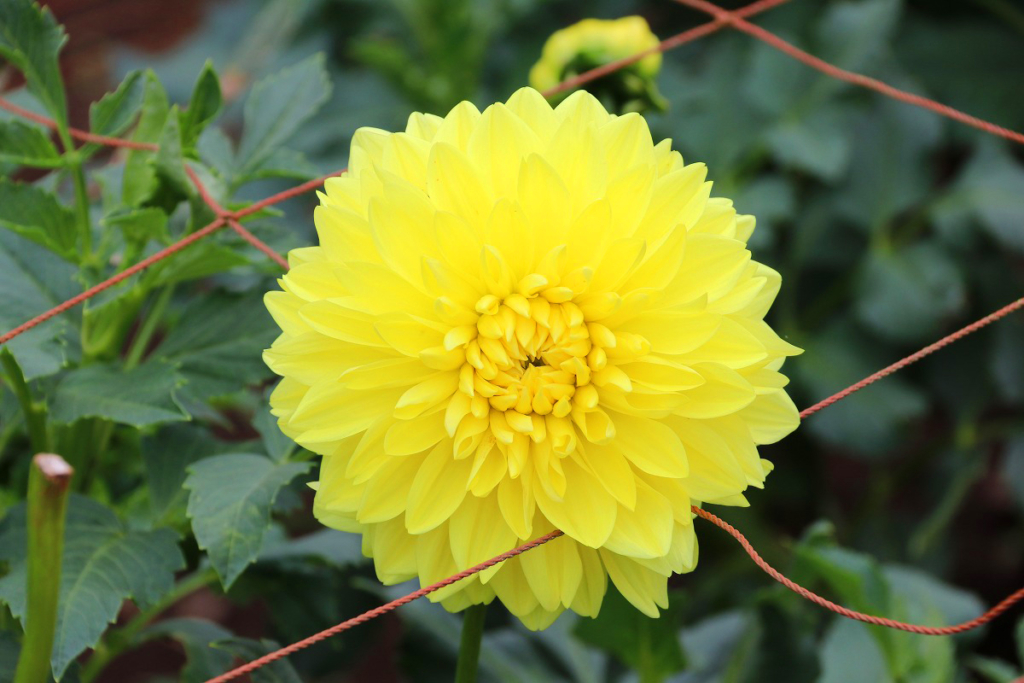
[595, 42]
[526, 319]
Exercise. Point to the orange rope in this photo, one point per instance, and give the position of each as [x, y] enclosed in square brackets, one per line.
[736, 20]
[914, 357]
[377, 611]
[988, 616]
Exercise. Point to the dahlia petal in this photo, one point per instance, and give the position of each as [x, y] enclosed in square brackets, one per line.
[612, 469]
[651, 446]
[409, 335]
[477, 532]
[517, 504]
[770, 417]
[453, 185]
[593, 583]
[406, 437]
[386, 494]
[724, 391]
[530, 106]
[586, 511]
[554, 574]
[438, 489]
[645, 531]
[426, 395]
[643, 588]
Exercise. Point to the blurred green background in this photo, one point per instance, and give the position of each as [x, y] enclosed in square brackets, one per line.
[890, 225]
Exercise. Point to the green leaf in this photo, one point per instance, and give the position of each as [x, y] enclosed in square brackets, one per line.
[167, 456]
[203, 106]
[139, 175]
[849, 654]
[9, 650]
[115, 111]
[104, 564]
[990, 189]
[648, 645]
[907, 295]
[230, 501]
[170, 159]
[139, 227]
[281, 671]
[196, 637]
[31, 39]
[218, 344]
[139, 397]
[336, 548]
[852, 34]
[107, 319]
[277, 107]
[818, 143]
[24, 145]
[37, 215]
[200, 260]
[277, 445]
[33, 280]
[993, 670]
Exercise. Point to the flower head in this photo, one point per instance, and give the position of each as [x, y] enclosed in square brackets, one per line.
[591, 43]
[520, 320]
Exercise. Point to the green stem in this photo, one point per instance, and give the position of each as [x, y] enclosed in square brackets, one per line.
[35, 412]
[74, 160]
[47, 507]
[148, 329]
[118, 640]
[469, 647]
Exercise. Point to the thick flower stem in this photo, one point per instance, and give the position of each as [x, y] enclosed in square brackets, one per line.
[469, 647]
[47, 506]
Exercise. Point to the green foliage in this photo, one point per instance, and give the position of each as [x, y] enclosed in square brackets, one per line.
[230, 502]
[889, 225]
[104, 563]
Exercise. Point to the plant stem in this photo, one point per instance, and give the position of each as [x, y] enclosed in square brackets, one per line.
[156, 312]
[35, 413]
[81, 195]
[469, 647]
[117, 641]
[47, 507]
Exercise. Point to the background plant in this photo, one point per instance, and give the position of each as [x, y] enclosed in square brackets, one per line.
[889, 225]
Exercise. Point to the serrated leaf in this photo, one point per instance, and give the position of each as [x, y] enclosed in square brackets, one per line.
[33, 279]
[115, 111]
[280, 671]
[196, 637]
[139, 175]
[648, 645]
[277, 106]
[167, 456]
[37, 215]
[229, 504]
[24, 145]
[104, 564]
[139, 397]
[31, 39]
[203, 106]
[930, 291]
[218, 344]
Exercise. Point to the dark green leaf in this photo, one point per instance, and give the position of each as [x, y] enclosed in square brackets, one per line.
[196, 637]
[200, 260]
[993, 670]
[277, 107]
[648, 645]
[280, 671]
[167, 455]
[139, 175]
[24, 145]
[31, 39]
[230, 501]
[849, 654]
[818, 143]
[203, 106]
[1006, 361]
[36, 214]
[907, 295]
[336, 548]
[106, 320]
[104, 564]
[852, 34]
[278, 446]
[140, 397]
[9, 649]
[139, 226]
[218, 344]
[33, 280]
[170, 159]
[113, 114]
